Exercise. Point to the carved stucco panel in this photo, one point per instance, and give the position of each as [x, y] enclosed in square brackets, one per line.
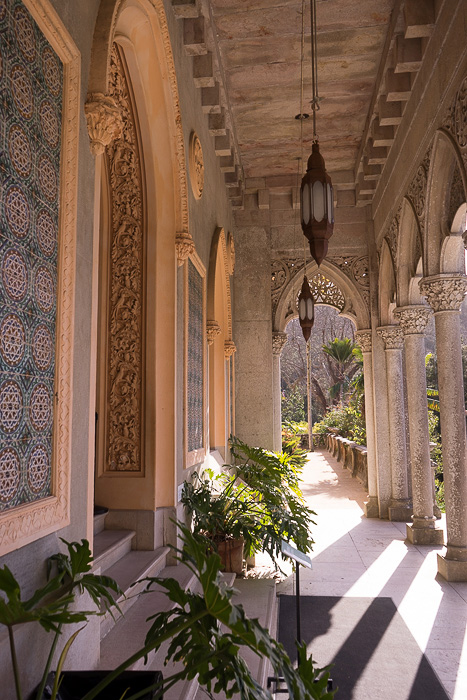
[125, 322]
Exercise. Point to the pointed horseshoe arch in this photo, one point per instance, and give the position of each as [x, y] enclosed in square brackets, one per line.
[352, 305]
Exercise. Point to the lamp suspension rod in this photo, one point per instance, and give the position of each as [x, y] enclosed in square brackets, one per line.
[314, 66]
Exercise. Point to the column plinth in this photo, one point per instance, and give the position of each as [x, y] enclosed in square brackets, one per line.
[445, 294]
[400, 506]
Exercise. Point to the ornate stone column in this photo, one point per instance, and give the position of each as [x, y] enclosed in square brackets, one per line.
[364, 341]
[279, 340]
[400, 507]
[413, 320]
[445, 294]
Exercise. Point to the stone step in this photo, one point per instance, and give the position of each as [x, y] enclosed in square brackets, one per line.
[110, 546]
[128, 634]
[134, 566]
[99, 520]
[259, 600]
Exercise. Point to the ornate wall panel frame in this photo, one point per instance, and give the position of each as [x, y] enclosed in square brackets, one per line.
[195, 342]
[26, 523]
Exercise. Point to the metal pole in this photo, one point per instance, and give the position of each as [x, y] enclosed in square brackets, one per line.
[297, 602]
[309, 397]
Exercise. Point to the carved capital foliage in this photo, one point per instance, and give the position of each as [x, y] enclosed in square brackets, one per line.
[279, 340]
[363, 339]
[185, 246]
[212, 331]
[229, 348]
[413, 319]
[104, 121]
[392, 336]
[444, 292]
[196, 166]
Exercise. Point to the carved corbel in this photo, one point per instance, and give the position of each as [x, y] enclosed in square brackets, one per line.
[185, 246]
[229, 348]
[104, 121]
[212, 331]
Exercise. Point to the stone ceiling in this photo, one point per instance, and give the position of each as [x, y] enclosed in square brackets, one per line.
[259, 46]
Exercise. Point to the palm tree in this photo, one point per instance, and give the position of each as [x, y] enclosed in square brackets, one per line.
[341, 364]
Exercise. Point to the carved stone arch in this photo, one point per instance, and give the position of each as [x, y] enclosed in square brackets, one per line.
[354, 302]
[152, 13]
[409, 252]
[438, 253]
[221, 357]
[139, 29]
[387, 286]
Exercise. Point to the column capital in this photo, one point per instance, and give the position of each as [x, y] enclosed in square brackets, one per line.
[212, 330]
[185, 246]
[279, 339]
[413, 319]
[444, 292]
[229, 348]
[103, 120]
[393, 337]
[363, 340]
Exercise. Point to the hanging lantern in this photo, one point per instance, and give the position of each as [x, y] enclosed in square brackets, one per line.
[317, 205]
[306, 309]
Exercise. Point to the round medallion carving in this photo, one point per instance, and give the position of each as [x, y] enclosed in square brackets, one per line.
[196, 166]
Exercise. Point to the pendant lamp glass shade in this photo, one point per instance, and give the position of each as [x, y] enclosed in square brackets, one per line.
[306, 309]
[317, 205]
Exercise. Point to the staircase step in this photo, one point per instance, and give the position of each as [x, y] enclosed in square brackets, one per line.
[99, 523]
[128, 634]
[132, 567]
[110, 546]
[259, 600]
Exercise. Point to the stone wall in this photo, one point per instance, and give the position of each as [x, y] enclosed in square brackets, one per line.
[352, 456]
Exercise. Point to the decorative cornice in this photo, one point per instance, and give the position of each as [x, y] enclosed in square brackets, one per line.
[103, 120]
[364, 340]
[444, 292]
[213, 329]
[185, 246]
[392, 336]
[229, 348]
[413, 319]
[279, 340]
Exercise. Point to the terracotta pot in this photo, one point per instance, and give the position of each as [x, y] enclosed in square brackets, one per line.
[231, 554]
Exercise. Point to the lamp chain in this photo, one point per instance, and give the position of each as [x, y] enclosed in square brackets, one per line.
[314, 67]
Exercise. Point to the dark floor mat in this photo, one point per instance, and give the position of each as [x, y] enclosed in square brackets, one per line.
[373, 653]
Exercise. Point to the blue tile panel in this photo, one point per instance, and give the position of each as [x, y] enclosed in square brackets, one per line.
[195, 360]
[31, 86]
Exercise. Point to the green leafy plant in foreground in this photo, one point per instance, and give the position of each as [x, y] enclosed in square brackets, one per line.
[192, 628]
[50, 605]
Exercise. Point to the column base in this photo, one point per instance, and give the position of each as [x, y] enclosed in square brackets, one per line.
[424, 535]
[452, 570]
[371, 507]
[401, 512]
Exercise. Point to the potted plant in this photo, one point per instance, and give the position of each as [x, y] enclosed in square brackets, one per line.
[204, 630]
[259, 500]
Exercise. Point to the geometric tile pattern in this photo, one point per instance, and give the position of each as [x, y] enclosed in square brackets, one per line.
[195, 388]
[31, 86]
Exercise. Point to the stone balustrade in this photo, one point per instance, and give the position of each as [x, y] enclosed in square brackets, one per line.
[352, 456]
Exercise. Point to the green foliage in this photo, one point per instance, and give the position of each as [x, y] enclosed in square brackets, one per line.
[204, 631]
[293, 404]
[50, 604]
[259, 500]
[292, 433]
[347, 421]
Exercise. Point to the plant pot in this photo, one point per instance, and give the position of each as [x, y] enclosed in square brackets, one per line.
[231, 554]
[75, 684]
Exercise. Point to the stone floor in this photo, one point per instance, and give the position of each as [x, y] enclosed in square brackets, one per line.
[365, 558]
